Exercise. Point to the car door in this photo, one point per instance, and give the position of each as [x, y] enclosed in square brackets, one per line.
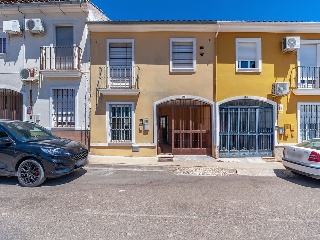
[7, 154]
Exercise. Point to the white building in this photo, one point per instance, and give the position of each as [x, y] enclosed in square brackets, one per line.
[45, 62]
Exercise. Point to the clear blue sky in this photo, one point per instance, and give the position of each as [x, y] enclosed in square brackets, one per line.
[274, 10]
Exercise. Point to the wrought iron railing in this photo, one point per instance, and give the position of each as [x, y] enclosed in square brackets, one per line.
[307, 77]
[60, 58]
[119, 77]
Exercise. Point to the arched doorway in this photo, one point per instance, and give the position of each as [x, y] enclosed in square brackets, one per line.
[184, 126]
[246, 128]
[11, 103]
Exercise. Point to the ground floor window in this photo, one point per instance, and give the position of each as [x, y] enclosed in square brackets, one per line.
[64, 105]
[120, 122]
[309, 121]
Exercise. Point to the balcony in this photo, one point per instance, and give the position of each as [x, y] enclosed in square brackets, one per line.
[307, 80]
[119, 80]
[60, 61]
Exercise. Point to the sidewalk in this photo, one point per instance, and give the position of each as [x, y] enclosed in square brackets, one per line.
[240, 166]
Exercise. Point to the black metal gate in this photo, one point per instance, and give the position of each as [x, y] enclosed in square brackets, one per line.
[10, 104]
[246, 129]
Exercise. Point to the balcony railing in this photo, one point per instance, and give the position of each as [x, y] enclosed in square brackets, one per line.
[60, 58]
[307, 77]
[118, 78]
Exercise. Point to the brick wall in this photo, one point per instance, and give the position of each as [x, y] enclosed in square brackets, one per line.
[79, 136]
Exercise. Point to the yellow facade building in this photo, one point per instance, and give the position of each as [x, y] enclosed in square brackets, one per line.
[152, 88]
[224, 89]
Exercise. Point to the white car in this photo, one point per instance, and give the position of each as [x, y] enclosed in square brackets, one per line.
[303, 158]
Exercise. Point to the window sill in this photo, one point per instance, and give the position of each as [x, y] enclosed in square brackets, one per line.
[185, 70]
[248, 70]
[3, 55]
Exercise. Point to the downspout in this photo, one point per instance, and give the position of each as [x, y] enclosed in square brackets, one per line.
[216, 108]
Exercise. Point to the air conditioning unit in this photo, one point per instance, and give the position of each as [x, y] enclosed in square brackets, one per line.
[12, 27]
[34, 25]
[290, 44]
[280, 89]
[29, 74]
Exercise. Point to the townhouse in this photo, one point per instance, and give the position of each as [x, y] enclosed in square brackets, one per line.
[152, 87]
[44, 63]
[267, 86]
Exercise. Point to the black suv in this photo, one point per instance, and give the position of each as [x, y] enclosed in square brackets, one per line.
[33, 153]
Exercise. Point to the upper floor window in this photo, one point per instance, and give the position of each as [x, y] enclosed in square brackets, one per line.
[248, 55]
[182, 55]
[3, 43]
[120, 63]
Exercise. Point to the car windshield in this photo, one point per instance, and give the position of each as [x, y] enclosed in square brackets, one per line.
[312, 144]
[28, 132]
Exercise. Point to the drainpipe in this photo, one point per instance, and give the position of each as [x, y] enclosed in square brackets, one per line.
[215, 109]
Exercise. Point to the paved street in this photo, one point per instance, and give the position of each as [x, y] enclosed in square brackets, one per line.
[117, 204]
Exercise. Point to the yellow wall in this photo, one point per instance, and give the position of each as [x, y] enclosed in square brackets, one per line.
[276, 67]
[152, 56]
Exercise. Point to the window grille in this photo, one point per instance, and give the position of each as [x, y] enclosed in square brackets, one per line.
[3, 45]
[121, 122]
[63, 108]
[309, 121]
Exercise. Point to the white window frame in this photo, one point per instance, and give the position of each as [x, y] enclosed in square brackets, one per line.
[108, 129]
[299, 115]
[193, 69]
[3, 35]
[51, 110]
[122, 40]
[258, 56]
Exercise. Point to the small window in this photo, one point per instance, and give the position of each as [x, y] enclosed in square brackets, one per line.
[63, 102]
[3, 43]
[182, 55]
[248, 55]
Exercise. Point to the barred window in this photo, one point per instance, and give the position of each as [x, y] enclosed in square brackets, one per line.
[3, 44]
[309, 121]
[120, 117]
[63, 102]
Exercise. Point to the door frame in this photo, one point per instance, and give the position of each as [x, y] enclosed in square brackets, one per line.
[191, 97]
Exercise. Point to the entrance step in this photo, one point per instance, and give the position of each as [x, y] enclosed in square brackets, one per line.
[165, 158]
[270, 159]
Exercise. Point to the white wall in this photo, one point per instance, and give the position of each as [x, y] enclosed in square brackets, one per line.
[24, 52]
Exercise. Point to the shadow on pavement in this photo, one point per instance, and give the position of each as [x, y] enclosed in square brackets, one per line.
[50, 181]
[297, 178]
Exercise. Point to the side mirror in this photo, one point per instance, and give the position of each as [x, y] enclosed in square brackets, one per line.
[5, 141]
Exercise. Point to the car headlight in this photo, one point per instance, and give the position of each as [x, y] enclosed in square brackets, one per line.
[56, 151]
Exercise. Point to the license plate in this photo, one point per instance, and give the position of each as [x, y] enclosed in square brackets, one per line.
[80, 162]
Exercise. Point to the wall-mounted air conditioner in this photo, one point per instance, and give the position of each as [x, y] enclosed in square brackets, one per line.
[12, 27]
[29, 74]
[34, 25]
[280, 89]
[290, 44]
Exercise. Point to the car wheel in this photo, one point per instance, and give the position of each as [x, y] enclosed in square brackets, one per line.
[30, 173]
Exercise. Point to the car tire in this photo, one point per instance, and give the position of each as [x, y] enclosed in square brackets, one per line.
[30, 173]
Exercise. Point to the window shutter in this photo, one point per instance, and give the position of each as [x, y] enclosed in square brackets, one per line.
[64, 36]
[308, 55]
[247, 51]
[182, 54]
[120, 54]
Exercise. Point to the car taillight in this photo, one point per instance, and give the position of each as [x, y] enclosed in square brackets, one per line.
[314, 157]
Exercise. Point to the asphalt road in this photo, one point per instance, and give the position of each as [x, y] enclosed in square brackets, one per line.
[109, 204]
